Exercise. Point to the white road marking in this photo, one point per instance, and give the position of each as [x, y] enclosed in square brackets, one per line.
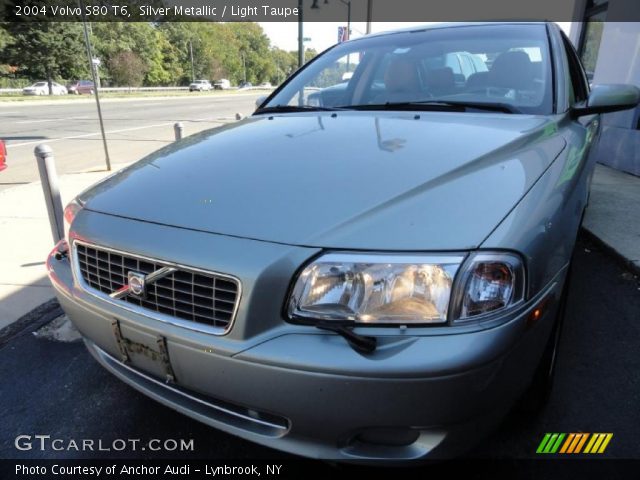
[51, 120]
[51, 140]
[22, 122]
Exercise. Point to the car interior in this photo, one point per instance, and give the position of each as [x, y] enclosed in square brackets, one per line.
[516, 76]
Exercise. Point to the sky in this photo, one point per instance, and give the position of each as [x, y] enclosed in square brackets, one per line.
[324, 34]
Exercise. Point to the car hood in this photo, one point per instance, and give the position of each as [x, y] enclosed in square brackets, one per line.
[350, 180]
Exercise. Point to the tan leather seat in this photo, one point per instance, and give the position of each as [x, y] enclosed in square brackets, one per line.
[402, 82]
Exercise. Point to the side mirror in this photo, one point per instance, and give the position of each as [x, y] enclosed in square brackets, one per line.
[260, 100]
[609, 98]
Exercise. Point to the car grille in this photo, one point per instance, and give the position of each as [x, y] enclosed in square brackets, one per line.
[202, 297]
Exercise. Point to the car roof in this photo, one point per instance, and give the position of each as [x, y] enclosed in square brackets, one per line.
[437, 26]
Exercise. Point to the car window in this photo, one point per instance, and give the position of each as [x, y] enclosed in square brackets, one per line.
[579, 84]
[332, 82]
[40, 84]
[453, 62]
[497, 63]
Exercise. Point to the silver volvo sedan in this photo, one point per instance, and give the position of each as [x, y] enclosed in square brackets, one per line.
[370, 267]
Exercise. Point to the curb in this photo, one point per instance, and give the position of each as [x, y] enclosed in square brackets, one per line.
[31, 321]
[620, 259]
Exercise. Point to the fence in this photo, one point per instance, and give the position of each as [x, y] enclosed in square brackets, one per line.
[139, 89]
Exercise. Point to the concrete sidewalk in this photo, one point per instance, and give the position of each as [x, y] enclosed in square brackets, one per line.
[613, 215]
[27, 240]
[613, 218]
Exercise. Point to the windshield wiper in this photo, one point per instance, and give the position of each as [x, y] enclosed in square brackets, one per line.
[296, 108]
[439, 106]
[360, 343]
[488, 106]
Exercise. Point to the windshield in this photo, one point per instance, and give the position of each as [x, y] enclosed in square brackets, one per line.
[502, 64]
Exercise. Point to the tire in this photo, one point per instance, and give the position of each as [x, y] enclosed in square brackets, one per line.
[537, 395]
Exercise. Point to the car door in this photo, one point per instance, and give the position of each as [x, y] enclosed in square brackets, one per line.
[589, 126]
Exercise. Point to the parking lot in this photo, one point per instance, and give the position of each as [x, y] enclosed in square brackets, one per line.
[57, 388]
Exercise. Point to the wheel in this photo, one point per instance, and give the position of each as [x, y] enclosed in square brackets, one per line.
[538, 393]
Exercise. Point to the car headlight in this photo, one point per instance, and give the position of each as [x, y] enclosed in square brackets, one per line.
[488, 283]
[375, 289]
[405, 289]
[70, 212]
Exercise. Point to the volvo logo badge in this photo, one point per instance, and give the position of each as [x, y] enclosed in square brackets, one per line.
[136, 282]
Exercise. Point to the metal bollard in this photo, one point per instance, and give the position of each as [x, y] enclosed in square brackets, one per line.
[49, 179]
[177, 129]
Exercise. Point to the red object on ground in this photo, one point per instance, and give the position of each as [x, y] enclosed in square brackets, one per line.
[3, 155]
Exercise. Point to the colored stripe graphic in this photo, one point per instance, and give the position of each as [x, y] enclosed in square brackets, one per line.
[605, 443]
[574, 443]
[565, 447]
[543, 443]
[581, 443]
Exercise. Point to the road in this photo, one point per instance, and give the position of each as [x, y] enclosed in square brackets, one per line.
[134, 127]
[58, 389]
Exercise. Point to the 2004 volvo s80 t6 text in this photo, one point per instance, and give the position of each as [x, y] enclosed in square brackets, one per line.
[371, 266]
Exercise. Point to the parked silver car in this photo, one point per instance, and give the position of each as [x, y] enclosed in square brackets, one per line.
[200, 86]
[375, 271]
[42, 88]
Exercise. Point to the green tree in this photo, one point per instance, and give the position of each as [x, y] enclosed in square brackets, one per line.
[140, 38]
[284, 63]
[253, 45]
[46, 50]
[127, 69]
[310, 54]
[5, 41]
[208, 45]
[5, 38]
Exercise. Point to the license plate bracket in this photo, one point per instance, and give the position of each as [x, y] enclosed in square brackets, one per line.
[128, 347]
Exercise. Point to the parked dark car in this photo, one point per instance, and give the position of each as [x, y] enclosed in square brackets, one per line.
[376, 273]
[81, 87]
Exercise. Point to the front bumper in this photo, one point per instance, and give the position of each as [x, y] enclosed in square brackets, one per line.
[304, 391]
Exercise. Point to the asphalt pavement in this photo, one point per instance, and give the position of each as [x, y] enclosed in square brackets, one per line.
[57, 389]
[134, 128]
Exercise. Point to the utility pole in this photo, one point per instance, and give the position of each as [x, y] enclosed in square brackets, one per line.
[95, 84]
[193, 70]
[244, 67]
[300, 35]
[348, 4]
[369, 15]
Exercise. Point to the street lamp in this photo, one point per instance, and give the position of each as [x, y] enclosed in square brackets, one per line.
[93, 65]
[301, 33]
[244, 67]
[348, 4]
[314, 6]
[193, 70]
